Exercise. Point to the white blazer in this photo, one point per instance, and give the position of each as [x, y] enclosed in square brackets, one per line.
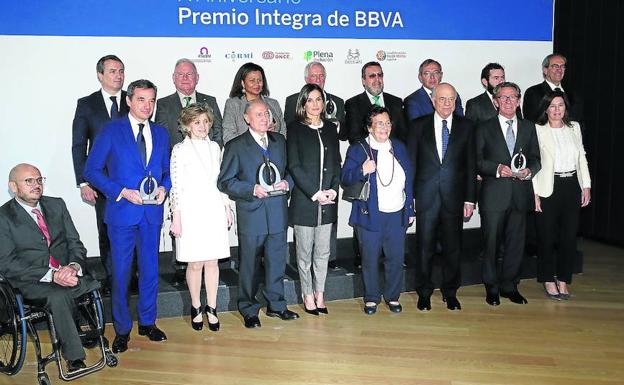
[543, 181]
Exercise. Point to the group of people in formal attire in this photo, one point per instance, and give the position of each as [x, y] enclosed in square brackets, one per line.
[262, 170]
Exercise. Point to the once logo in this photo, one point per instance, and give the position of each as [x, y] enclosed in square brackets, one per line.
[268, 55]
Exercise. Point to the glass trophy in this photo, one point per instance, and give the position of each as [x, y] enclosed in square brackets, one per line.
[268, 176]
[518, 162]
[148, 190]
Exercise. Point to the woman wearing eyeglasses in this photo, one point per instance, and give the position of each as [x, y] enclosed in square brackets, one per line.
[250, 83]
[382, 220]
[561, 188]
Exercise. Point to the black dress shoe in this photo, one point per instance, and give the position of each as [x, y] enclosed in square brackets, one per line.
[322, 310]
[514, 297]
[73, 365]
[252, 321]
[179, 278]
[153, 333]
[452, 303]
[492, 299]
[424, 303]
[370, 309]
[395, 308]
[333, 265]
[285, 315]
[120, 343]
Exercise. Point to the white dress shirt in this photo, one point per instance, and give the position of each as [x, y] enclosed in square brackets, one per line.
[147, 135]
[182, 96]
[109, 103]
[437, 126]
[390, 198]
[372, 100]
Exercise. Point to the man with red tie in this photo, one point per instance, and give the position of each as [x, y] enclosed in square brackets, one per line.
[41, 255]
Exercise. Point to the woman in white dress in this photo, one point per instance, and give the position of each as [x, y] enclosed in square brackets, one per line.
[201, 214]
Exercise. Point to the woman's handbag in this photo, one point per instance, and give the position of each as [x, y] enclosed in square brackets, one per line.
[357, 191]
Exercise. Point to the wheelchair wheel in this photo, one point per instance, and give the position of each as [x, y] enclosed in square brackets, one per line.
[12, 331]
[43, 379]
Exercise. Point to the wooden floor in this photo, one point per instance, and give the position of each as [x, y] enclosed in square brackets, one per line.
[580, 341]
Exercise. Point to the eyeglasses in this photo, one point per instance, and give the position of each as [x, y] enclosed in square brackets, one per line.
[429, 74]
[558, 66]
[35, 181]
[185, 74]
[375, 75]
[507, 98]
[444, 100]
[382, 124]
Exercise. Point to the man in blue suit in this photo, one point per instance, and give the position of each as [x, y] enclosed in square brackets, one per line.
[93, 112]
[419, 103]
[262, 218]
[126, 151]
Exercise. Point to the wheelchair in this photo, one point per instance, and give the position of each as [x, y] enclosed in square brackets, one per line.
[17, 319]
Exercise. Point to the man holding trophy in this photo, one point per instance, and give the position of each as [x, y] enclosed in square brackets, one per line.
[507, 157]
[129, 163]
[253, 174]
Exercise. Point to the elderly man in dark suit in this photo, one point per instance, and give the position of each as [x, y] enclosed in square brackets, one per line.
[185, 78]
[315, 73]
[93, 112]
[41, 255]
[481, 107]
[357, 107]
[262, 217]
[553, 71]
[441, 146]
[506, 197]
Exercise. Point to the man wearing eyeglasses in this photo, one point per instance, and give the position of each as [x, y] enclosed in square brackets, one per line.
[315, 73]
[553, 71]
[357, 107]
[185, 78]
[419, 102]
[41, 255]
[506, 196]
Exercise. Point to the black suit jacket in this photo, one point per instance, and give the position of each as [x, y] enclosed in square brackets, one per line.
[24, 251]
[480, 108]
[533, 97]
[500, 194]
[453, 180]
[356, 109]
[168, 110]
[90, 117]
[290, 108]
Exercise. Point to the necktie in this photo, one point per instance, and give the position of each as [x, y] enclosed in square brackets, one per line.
[264, 142]
[445, 137]
[114, 111]
[187, 101]
[44, 229]
[141, 143]
[510, 138]
[376, 100]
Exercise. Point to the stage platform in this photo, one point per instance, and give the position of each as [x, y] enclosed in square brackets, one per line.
[342, 283]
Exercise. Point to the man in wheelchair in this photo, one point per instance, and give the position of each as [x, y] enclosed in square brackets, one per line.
[41, 255]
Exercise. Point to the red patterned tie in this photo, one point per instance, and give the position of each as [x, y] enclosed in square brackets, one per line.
[44, 229]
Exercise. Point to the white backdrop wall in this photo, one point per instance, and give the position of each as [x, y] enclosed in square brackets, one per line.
[43, 76]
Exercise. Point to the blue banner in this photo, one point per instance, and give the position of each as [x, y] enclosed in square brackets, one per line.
[527, 20]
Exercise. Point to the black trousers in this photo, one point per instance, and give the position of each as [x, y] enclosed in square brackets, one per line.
[104, 242]
[450, 230]
[509, 227]
[251, 248]
[557, 226]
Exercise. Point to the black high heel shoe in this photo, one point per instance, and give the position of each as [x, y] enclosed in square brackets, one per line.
[556, 297]
[194, 313]
[212, 326]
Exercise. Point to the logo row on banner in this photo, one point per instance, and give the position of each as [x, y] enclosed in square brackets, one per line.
[347, 56]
